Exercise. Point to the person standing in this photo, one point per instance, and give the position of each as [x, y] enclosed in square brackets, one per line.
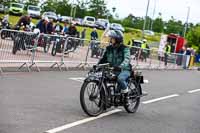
[50, 28]
[144, 50]
[41, 25]
[83, 35]
[167, 52]
[94, 34]
[58, 27]
[65, 28]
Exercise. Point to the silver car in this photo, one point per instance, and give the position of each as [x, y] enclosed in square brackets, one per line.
[50, 15]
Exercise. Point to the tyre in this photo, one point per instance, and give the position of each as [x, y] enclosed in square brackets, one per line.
[3, 35]
[134, 99]
[14, 50]
[46, 48]
[53, 52]
[92, 99]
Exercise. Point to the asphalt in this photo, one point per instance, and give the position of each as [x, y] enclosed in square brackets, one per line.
[36, 102]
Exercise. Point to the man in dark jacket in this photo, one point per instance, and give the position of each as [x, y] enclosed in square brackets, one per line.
[50, 28]
[41, 25]
[94, 34]
[72, 30]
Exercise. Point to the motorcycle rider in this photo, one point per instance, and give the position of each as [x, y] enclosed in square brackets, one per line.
[118, 56]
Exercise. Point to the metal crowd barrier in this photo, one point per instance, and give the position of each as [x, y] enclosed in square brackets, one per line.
[16, 48]
[42, 50]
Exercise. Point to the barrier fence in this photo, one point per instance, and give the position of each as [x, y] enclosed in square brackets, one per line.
[28, 49]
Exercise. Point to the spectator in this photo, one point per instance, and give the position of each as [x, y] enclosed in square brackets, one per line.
[65, 28]
[188, 54]
[180, 56]
[83, 35]
[72, 30]
[167, 52]
[58, 27]
[50, 28]
[94, 34]
[144, 50]
[24, 21]
[41, 25]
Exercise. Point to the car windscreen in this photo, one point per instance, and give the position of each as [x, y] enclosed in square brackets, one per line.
[17, 5]
[90, 19]
[1, 6]
[33, 8]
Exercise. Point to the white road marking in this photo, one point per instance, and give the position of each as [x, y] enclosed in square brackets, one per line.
[79, 79]
[70, 125]
[159, 99]
[193, 91]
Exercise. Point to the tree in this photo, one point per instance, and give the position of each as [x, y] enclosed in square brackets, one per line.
[158, 25]
[174, 26]
[97, 8]
[60, 7]
[138, 22]
[32, 2]
[128, 21]
[193, 37]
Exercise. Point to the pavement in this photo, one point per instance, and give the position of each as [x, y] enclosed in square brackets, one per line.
[48, 101]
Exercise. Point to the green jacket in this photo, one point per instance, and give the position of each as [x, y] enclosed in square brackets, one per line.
[117, 57]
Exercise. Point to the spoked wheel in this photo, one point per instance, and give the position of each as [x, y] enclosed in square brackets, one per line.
[134, 99]
[91, 98]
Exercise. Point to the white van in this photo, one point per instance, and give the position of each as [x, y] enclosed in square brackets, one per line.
[89, 21]
[34, 11]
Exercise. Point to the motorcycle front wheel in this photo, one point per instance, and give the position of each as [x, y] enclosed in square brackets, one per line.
[92, 98]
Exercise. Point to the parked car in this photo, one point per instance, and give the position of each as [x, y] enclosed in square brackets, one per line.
[16, 9]
[116, 26]
[77, 21]
[102, 24]
[34, 11]
[2, 9]
[50, 15]
[89, 21]
[149, 32]
[65, 19]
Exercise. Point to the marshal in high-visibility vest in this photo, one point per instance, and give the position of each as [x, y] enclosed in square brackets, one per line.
[144, 46]
[168, 49]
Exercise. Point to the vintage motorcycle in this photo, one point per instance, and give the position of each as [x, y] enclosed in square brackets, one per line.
[100, 91]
